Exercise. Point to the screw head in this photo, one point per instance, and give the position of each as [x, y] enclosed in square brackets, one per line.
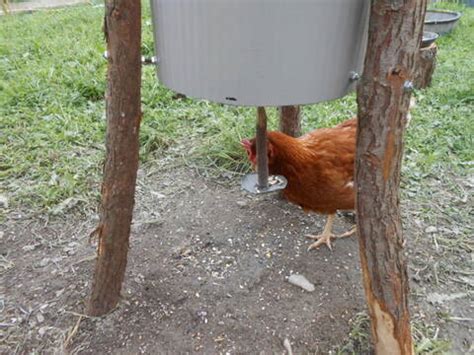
[408, 86]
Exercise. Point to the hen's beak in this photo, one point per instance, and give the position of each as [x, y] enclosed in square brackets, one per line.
[246, 143]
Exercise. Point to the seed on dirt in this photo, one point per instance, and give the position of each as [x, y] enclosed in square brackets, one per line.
[219, 339]
[202, 316]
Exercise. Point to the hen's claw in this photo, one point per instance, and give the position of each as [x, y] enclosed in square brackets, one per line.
[324, 238]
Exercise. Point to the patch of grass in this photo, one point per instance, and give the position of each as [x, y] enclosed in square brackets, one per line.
[51, 105]
[442, 133]
[359, 340]
[52, 83]
[426, 339]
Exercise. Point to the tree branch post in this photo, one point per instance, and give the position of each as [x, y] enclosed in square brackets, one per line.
[290, 120]
[426, 66]
[123, 110]
[383, 97]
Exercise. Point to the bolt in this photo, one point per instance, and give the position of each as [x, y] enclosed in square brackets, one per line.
[408, 86]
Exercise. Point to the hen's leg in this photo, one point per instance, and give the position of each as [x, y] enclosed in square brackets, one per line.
[326, 235]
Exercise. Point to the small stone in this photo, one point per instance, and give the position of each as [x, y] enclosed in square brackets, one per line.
[431, 229]
[40, 318]
[42, 331]
[44, 262]
[29, 247]
[301, 281]
[242, 203]
[158, 195]
[3, 201]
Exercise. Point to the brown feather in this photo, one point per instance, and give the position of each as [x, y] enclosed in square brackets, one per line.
[319, 166]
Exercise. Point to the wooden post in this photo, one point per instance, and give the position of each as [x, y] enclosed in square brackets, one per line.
[290, 120]
[383, 98]
[426, 66]
[123, 35]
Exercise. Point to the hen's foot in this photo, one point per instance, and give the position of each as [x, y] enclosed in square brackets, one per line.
[325, 238]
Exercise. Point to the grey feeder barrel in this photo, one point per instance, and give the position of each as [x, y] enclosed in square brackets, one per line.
[260, 52]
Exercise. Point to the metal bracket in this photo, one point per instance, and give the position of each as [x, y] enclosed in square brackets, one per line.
[145, 60]
[275, 183]
[149, 60]
[354, 76]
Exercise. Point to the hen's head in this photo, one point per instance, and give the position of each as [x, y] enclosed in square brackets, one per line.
[250, 146]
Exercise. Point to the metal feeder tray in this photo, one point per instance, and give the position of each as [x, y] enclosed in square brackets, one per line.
[275, 183]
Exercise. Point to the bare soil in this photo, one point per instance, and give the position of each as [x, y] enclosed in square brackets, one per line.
[207, 273]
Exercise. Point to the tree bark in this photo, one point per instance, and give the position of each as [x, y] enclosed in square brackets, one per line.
[426, 66]
[123, 35]
[290, 120]
[395, 32]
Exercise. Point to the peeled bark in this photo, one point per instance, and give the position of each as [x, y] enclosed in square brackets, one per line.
[123, 34]
[290, 120]
[395, 32]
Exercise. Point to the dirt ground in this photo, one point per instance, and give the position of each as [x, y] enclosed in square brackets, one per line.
[207, 273]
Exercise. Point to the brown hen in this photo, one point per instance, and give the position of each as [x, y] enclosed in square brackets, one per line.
[319, 167]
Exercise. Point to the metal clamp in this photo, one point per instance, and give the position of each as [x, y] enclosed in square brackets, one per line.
[354, 76]
[149, 60]
[145, 60]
